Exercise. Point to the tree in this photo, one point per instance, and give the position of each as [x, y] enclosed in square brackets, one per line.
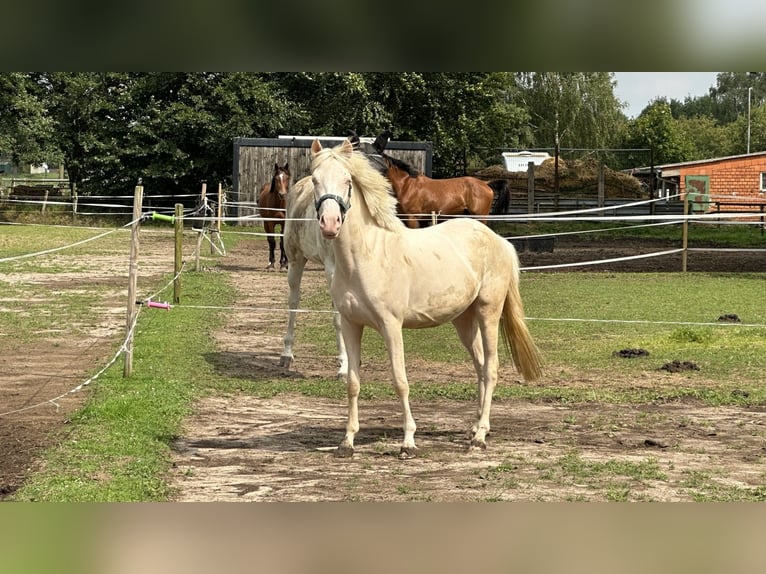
[730, 95]
[572, 109]
[704, 136]
[183, 124]
[467, 116]
[88, 115]
[170, 129]
[655, 128]
[25, 129]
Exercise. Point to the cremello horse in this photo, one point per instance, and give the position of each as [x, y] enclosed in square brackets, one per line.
[304, 242]
[388, 277]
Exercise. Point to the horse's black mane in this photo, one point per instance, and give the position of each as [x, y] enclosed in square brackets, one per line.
[403, 165]
[375, 152]
[381, 141]
[374, 156]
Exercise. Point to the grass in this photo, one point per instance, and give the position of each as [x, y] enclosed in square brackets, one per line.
[118, 447]
[580, 319]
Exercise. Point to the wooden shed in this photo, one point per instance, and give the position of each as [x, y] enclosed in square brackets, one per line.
[254, 160]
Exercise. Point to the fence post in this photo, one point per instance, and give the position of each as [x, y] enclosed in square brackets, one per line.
[601, 193]
[220, 209]
[74, 203]
[215, 229]
[138, 197]
[530, 187]
[685, 233]
[179, 229]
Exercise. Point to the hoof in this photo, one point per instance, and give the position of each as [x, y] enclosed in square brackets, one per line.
[270, 268]
[478, 444]
[283, 267]
[285, 361]
[344, 451]
[406, 453]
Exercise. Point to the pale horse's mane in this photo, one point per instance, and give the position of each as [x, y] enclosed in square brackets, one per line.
[372, 187]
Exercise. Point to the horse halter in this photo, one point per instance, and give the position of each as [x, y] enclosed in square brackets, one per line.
[344, 204]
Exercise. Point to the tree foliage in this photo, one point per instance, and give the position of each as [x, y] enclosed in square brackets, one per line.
[25, 128]
[176, 129]
[571, 109]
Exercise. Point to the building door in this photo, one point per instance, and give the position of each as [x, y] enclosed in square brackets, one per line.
[698, 192]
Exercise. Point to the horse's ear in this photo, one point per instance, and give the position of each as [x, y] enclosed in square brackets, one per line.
[287, 167]
[276, 166]
[346, 148]
[316, 147]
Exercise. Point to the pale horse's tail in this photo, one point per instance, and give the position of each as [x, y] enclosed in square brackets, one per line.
[516, 336]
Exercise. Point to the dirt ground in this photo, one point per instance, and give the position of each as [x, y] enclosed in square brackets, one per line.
[37, 384]
[281, 449]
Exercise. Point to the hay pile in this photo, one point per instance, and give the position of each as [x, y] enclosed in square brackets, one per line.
[577, 178]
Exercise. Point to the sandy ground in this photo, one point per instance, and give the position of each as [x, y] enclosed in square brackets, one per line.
[281, 449]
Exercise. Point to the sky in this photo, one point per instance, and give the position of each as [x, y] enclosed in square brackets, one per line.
[638, 89]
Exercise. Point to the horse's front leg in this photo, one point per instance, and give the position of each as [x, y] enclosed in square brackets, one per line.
[282, 254]
[294, 275]
[392, 335]
[272, 248]
[352, 334]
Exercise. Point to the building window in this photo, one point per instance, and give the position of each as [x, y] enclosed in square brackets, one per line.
[763, 181]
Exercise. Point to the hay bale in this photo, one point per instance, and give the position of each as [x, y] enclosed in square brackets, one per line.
[577, 178]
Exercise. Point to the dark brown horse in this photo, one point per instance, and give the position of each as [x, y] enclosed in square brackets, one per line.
[271, 206]
[420, 196]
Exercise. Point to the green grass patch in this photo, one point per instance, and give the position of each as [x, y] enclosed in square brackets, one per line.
[579, 320]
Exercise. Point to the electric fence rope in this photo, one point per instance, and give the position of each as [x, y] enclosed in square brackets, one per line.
[556, 217]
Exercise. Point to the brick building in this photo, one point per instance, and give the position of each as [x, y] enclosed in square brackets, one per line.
[733, 183]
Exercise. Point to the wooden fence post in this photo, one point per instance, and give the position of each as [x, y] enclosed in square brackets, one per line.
[601, 194]
[138, 197]
[530, 187]
[215, 230]
[179, 230]
[220, 208]
[74, 203]
[201, 231]
[685, 233]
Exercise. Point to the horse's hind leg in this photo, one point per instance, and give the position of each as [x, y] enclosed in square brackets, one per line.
[329, 269]
[469, 334]
[294, 275]
[488, 326]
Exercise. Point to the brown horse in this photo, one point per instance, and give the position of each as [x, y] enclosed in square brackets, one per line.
[419, 196]
[271, 206]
